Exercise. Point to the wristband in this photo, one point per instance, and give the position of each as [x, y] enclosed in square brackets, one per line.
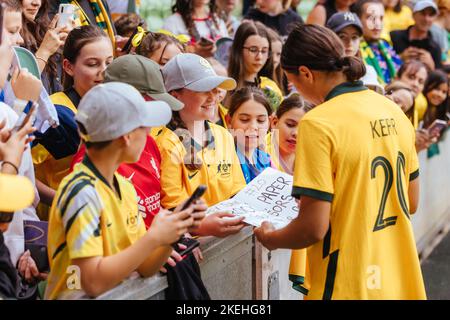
[12, 165]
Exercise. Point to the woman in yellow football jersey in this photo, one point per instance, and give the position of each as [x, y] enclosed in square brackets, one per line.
[354, 146]
[195, 151]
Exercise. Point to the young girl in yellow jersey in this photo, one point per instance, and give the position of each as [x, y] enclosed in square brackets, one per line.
[414, 73]
[251, 61]
[357, 178]
[195, 151]
[87, 53]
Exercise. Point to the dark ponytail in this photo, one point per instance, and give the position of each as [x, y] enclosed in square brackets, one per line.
[319, 48]
[353, 68]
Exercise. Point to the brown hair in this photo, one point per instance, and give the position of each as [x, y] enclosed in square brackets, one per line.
[76, 40]
[12, 5]
[293, 101]
[319, 48]
[278, 75]
[236, 68]
[153, 41]
[33, 33]
[359, 6]
[127, 23]
[245, 94]
[92, 145]
[411, 66]
[400, 85]
[185, 9]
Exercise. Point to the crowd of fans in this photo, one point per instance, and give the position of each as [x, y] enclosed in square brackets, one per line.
[80, 152]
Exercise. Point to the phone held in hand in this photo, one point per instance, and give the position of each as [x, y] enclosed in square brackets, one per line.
[190, 244]
[65, 12]
[195, 196]
[436, 127]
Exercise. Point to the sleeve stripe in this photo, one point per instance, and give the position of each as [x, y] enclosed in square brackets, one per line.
[297, 192]
[414, 175]
[73, 192]
[59, 249]
[78, 175]
[73, 217]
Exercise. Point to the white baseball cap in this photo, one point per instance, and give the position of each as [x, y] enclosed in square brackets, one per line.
[423, 4]
[110, 110]
[190, 71]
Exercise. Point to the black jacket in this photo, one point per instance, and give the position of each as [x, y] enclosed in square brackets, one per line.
[281, 23]
[11, 285]
[401, 41]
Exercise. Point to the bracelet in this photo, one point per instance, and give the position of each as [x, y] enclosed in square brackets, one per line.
[39, 58]
[12, 165]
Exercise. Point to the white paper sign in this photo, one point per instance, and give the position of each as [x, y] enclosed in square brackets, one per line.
[266, 198]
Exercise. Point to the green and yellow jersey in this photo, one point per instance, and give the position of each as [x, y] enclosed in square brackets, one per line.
[88, 219]
[357, 151]
[220, 172]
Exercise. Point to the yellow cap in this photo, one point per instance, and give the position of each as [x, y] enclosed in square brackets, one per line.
[16, 193]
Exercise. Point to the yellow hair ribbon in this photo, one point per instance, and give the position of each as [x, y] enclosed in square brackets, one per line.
[137, 39]
[181, 38]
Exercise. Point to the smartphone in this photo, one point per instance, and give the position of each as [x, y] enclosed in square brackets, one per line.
[436, 127]
[205, 42]
[195, 196]
[65, 12]
[190, 244]
[40, 256]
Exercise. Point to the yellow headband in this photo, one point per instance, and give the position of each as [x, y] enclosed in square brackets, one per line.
[181, 38]
[141, 33]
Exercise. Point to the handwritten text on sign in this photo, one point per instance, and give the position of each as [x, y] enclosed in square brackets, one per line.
[266, 198]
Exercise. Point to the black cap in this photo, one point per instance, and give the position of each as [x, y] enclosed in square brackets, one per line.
[341, 20]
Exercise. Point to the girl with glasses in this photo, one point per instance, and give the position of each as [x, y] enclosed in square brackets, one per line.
[251, 61]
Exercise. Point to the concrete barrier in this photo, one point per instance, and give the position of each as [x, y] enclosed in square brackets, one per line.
[226, 271]
[433, 213]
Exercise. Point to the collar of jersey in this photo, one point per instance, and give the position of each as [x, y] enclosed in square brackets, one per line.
[88, 163]
[346, 87]
[210, 141]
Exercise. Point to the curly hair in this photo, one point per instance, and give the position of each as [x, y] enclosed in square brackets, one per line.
[33, 33]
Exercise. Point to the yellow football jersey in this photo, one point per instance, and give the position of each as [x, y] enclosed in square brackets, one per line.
[88, 219]
[357, 151]
[298, 268]
[221, 171]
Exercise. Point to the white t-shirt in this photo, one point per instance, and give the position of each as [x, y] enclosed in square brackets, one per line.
[14, 236]
[175, 24]
[118, 6]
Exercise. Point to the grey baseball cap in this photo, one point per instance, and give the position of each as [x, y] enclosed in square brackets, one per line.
[341, 20]
[190, 71]
[423, 4]
[143, 74]
[110, 110]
